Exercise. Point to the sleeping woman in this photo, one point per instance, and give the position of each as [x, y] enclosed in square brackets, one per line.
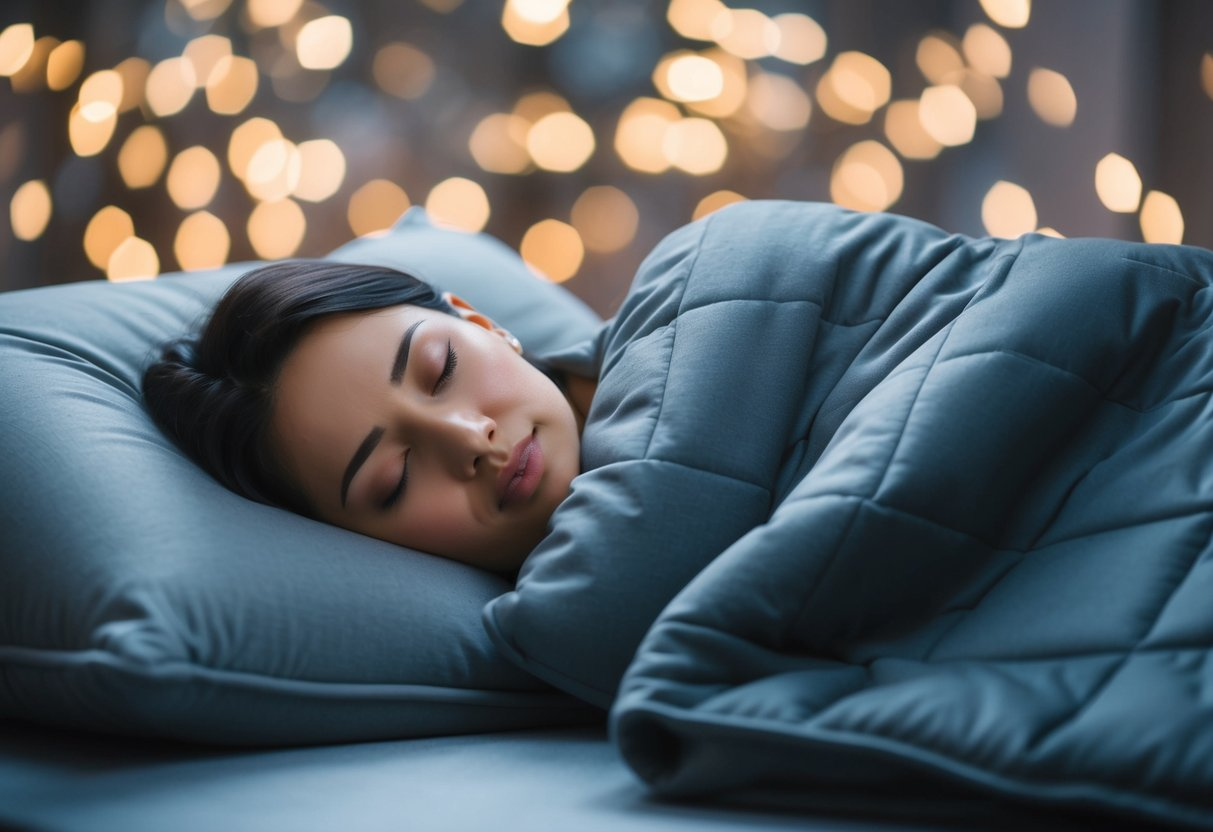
[359, 396]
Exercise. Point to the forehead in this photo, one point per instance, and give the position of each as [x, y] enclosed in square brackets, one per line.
[325, 388]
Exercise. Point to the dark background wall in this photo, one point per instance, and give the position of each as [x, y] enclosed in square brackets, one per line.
[1134, 65]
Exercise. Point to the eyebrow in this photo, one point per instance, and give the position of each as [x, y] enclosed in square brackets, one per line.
[399, 364]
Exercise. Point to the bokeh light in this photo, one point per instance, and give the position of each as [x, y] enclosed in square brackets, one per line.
[1052, 97]
[108, 228]
[947, 115]
[606, 218]
[143, 156]
[231, 85]
[529, 31]
[640, 134]
[30, 210]
[867, 177]
[202, 242]
[321, 170]
[904, 130]
[193, 177]
[801, 38]
[375, 206]
[498, 144]
[1161, 219]
[560, 142]
[714, 202]
[324, 43]
[987, 51]
[552, 248]
[276, 228]
[1011, 14]
[1117, 184]
[403, 70]
[64, 64]
[16, 47]
[458, 203]
[695, 145]
[133, 259]
[170, 86]
[1007, 210]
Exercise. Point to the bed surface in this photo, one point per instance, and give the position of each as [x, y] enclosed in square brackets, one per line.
[566, 779]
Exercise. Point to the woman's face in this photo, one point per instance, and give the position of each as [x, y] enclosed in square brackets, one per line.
[427, 430]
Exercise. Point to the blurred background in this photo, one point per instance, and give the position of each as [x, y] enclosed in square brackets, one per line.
[139, 137]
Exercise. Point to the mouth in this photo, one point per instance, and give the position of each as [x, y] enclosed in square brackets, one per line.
[520, 477]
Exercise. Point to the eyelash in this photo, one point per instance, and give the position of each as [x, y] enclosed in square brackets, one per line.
[448, 370]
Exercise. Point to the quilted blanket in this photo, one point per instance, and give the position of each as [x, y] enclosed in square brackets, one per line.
[986, 558]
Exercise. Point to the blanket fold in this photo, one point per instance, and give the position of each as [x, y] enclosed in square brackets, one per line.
[986, 560]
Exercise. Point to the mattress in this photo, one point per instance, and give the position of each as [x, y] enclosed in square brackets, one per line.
[559, 779]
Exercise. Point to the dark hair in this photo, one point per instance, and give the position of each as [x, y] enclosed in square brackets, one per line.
[213, 395]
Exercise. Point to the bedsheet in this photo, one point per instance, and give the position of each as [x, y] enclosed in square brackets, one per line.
[986, 562]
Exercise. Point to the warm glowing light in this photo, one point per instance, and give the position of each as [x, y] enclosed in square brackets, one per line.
[695, 145]
[267, 13]
[1011, 14]
[735, 80]
[133, 259]
[693, 18]
[855, 86]
[30, 210]
[202, 242]
[274, 170]
[246, 140]
[134, 72]
[1007, 210]
[170, 85]
[560, 142]
[375, 206]
[1117, 184]
[204, 54]
[231, 85]
[685, 76]
[205, 9]
[1050, 232]
[539, 11]
[64, 64]
[276, 229]
[529, 33]
[324, 43]
[801, 38]
[1206, 73]
[1161, 219]
[987, 51]
[32, 75]
[142, 157]
[88, 138]
[1052, 97]
[606, 218]
[778, 102]
[714, 202]
[100, 95]
[321, 170]
[984, 91]
[938, 60]
[552, 248]
[458, 203]
[403, 70]
[105, 232]
[498, 144]
[16, 46]
[947, 114]
[905, 132]
[640, 135]
[193, 178]
[535, 105]
[747, 33]
[867, 177]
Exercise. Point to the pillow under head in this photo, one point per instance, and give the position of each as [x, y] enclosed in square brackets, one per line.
[140, 596]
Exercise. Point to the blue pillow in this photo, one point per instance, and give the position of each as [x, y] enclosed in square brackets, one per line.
[142, 597]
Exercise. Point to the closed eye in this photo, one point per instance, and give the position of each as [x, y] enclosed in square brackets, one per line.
[398, 491]
[448, 369]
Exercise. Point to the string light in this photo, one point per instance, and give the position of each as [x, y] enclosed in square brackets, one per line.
[108, 228]
[1007, 210]
[1011, 14]
[1052, 97]
[1161, 219]
[30, 210]
[375, 206]
[16, 47]
[458, 203]
[552, 248]
[1117, 184]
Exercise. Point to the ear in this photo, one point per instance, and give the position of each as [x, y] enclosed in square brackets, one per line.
[470, 314]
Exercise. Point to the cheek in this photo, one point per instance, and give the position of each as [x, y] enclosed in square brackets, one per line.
[440, 521]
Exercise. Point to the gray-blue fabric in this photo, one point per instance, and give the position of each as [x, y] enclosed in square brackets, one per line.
[934, 509]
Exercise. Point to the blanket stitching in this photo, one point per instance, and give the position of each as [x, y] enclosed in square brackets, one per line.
[1097, 691]
[807, 599]
[1200, 283]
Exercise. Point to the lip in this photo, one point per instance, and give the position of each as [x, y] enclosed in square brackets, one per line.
[520, 477]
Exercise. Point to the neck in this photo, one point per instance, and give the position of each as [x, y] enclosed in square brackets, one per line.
[580, 392]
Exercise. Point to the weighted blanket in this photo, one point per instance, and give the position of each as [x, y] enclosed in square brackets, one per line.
[969, 547]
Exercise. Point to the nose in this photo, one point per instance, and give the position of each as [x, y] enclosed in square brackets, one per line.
[466, 441]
